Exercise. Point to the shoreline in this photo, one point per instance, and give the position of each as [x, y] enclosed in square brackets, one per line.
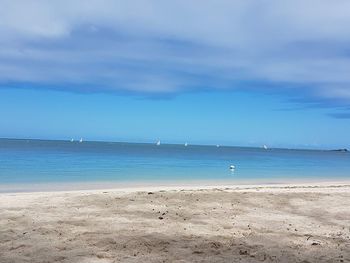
[95, 187]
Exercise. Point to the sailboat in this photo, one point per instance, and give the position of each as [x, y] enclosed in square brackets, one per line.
[265, 147]
[186, 144]
[158, 143]
[72, 140]
[81, 140]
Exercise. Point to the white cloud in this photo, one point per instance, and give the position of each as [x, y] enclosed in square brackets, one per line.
[168, 46]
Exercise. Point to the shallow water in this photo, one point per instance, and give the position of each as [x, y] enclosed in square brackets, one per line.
[40, 161]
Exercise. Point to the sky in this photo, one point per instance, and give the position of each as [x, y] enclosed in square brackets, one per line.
[236, 72]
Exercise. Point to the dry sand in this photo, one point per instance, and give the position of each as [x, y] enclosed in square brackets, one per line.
[256, 224]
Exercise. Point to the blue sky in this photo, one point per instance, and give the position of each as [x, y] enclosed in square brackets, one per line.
[211, 72]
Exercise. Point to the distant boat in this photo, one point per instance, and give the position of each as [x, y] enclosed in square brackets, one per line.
[232, 167]
[218, 145]
[72, 140]
[186, 144]
[265, 147]
[81, 140]
[158, 143]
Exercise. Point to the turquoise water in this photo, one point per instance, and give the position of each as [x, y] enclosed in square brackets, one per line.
[39, 161]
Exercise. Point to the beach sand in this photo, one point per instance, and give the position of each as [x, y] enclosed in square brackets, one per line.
[222, 224]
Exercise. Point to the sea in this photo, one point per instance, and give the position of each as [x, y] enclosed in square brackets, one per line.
[44, 163]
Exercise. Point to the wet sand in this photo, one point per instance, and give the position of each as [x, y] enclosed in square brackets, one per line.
[244, 224]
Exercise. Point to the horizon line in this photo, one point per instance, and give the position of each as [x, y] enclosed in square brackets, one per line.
[189, 144]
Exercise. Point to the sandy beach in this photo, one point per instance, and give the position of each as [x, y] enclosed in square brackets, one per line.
[286, 223]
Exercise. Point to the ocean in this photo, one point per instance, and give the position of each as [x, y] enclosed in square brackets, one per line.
[26, 162]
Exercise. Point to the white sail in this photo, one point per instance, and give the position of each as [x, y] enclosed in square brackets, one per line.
[186, 144]
[72, 140]
[158, 143]
[81, 140]
[265, 147]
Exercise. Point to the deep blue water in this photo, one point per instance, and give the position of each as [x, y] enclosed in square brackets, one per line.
[38, 161]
